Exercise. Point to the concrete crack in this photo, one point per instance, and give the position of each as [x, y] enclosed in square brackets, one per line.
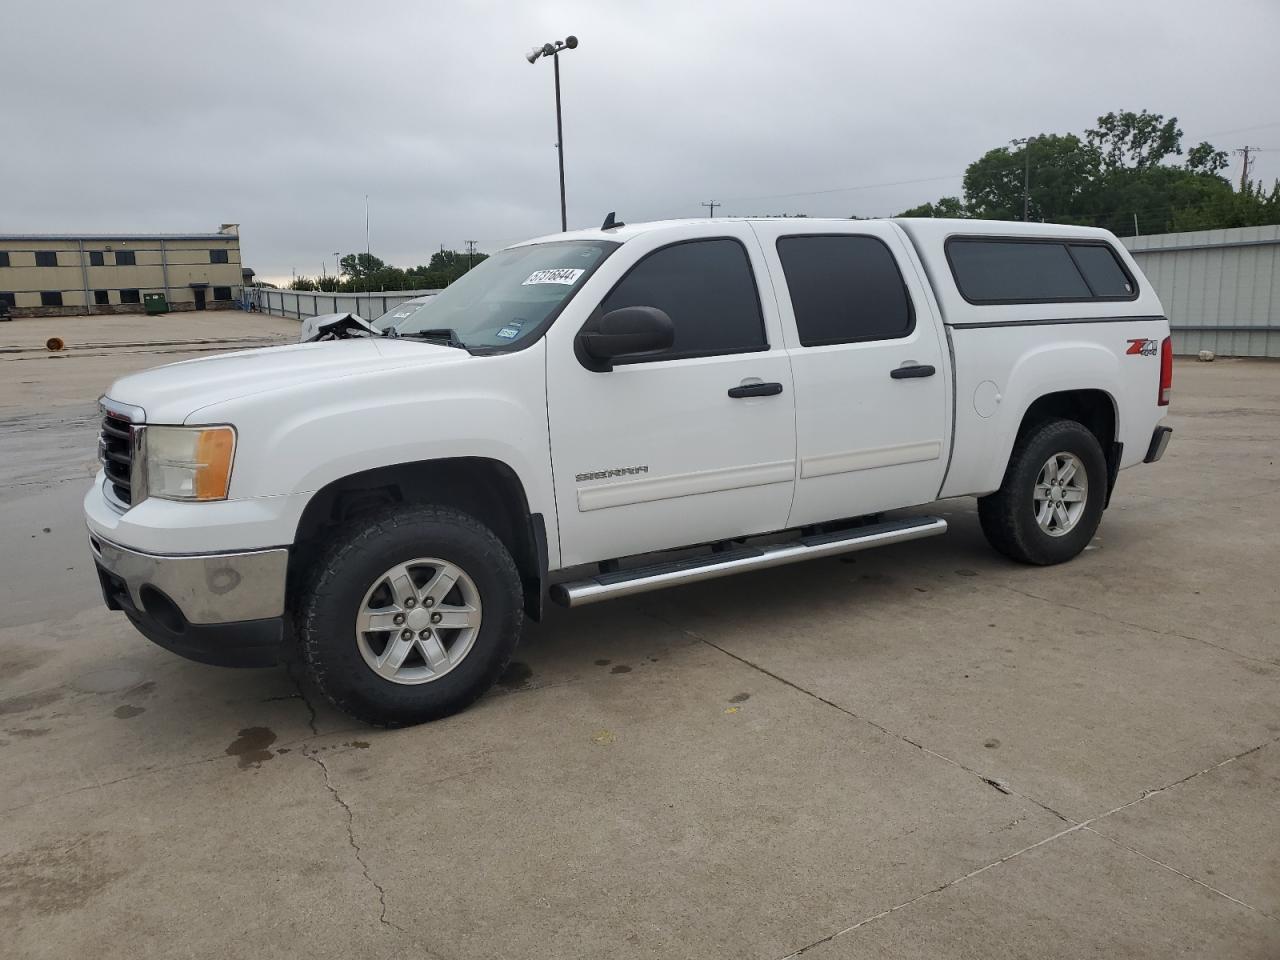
[1184, 876]
[302, 694]
[1129, 623]
[1084, 825]
[153, 771]
[991, 782]
[351, 839]
[938, 889]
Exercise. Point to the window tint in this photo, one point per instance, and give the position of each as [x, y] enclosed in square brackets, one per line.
[1102, 270]
[126, 258]
[4, 258]
[9, 299]
[130, 296]
[217, 256]
[1015, 271]
[222, 293]
[844, 289]
[101, 296]
[51, 298]
[46, 258]
[95, 258]
[708, 290]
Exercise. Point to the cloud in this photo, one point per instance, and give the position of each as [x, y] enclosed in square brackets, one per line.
[156, 115]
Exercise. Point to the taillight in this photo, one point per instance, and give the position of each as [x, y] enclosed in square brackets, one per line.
[1166, 372]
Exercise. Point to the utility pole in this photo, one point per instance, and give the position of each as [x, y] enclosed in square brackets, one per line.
[471, 253]
[337, 264]
[711, 205]
[1135, 225]
[1244, 169]
[1025, 143]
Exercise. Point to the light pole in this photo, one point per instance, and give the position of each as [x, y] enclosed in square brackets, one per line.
[337, 264]
[552, 50]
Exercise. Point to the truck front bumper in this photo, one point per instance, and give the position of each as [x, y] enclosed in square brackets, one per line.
[222, 608]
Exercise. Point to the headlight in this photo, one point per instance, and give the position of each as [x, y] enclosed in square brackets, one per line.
[188, 463]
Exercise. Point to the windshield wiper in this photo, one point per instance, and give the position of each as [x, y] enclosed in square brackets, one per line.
[445, 335]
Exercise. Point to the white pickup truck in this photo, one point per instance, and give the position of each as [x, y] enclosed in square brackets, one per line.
[392, 502]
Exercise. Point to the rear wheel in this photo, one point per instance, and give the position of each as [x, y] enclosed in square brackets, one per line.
[410, 616]
[1050, 503]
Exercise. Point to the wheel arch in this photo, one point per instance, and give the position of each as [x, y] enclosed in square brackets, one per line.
[1093, 407]
[484, 488]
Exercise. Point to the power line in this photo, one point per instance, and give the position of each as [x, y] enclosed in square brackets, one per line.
[861, 186]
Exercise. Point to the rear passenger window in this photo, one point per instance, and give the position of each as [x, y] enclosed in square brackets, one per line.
[1102, 270]
[1036, 271]
[708, 290]
[1015, 271]
[844, 289]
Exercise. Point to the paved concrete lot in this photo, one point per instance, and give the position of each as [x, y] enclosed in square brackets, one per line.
[925, 751]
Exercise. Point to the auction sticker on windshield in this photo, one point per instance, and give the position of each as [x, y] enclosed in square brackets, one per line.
[566, 275]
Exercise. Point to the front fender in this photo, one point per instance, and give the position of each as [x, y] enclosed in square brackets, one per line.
[298, 441]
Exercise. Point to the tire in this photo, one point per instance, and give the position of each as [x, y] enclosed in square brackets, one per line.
[352, 579]
[1010, 517]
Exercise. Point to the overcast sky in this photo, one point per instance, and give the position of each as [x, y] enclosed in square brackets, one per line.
[170, 115]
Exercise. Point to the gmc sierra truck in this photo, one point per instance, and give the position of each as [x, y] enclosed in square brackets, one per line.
[603, 412]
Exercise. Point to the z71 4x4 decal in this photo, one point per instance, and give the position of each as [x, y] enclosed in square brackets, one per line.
[1142, 347]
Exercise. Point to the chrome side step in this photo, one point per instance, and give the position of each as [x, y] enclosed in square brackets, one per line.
[624, 583]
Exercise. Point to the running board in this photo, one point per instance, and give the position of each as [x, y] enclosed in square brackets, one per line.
[624, 583]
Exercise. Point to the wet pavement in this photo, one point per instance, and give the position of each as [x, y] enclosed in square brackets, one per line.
[923, 751]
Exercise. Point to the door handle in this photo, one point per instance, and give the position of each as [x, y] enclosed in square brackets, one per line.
[912, 371]
[755, 390]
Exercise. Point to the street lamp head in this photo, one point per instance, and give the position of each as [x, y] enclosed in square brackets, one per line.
[551, 49]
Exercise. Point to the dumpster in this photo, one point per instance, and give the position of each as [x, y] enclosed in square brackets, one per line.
[155, 303]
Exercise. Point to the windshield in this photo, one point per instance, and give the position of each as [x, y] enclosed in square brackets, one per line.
[504, 300]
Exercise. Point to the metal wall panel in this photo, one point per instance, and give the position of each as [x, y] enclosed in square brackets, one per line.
[1220, 288]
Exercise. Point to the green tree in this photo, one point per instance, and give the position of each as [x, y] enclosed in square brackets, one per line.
[947, 207]
[302, 283]
[1123, 175]
[1134, 141]
[359, 266]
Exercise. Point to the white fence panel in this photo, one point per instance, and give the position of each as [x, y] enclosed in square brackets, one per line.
[300, 304]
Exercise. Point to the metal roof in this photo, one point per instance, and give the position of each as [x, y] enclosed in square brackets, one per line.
[118, 236]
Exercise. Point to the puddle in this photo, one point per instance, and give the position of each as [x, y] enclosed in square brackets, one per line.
[516, 675]
[251, 746]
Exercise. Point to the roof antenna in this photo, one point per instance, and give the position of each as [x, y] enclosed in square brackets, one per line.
[611, 223]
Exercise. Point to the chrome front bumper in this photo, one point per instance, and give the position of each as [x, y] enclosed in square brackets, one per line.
[206, 588]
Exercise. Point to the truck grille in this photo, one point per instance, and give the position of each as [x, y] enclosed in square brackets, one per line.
[115, 450]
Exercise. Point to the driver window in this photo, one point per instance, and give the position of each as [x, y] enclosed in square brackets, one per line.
[708, 290]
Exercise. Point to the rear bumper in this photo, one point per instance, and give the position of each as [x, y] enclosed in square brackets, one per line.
[1159, 442]
[226, 609]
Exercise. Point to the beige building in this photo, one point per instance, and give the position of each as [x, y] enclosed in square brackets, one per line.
[63, 274]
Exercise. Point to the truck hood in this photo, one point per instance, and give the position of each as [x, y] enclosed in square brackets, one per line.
[176, 391]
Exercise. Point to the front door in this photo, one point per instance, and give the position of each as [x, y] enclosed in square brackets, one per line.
[199, 292]
[690, 446]
[872, 381]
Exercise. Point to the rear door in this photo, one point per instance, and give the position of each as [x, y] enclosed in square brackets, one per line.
[869, 362]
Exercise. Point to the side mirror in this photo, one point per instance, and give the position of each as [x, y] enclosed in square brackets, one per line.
[626, 332]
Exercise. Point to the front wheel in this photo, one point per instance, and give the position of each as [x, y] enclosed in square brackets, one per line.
[410, 616]
[1050, 503]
